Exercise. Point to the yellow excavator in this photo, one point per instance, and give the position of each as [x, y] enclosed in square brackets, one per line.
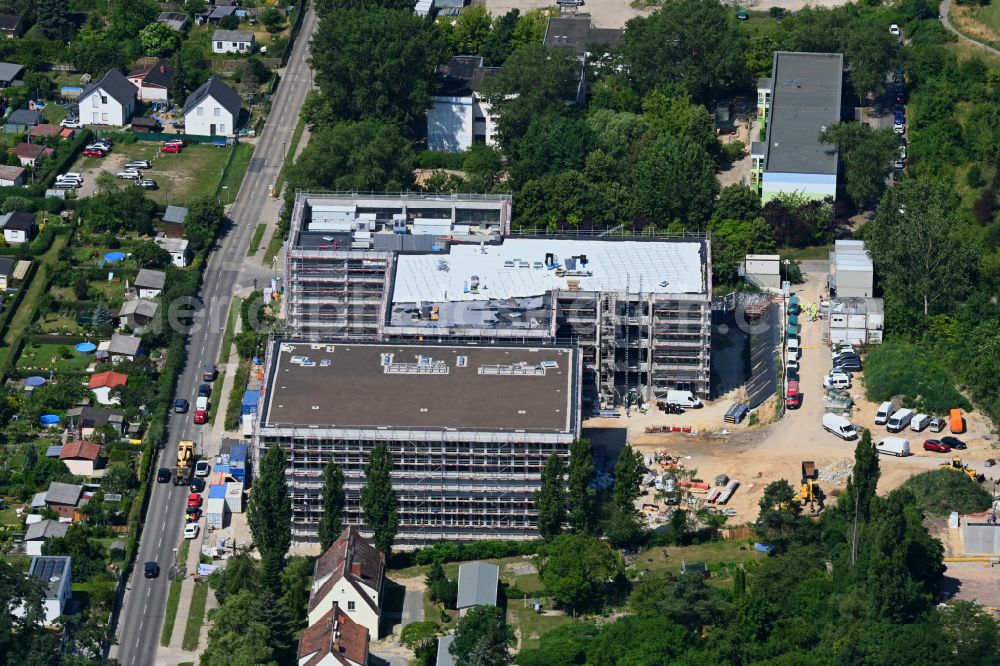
[185, 461]
[956, 464]
[811, 496]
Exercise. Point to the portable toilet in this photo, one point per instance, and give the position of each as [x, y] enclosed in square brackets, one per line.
[793, 320]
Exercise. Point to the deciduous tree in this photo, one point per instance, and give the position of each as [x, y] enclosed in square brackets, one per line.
[363, 156]
[867, 155]
[674, 182]
[913, 223]
[575, 568]
[483, 638]
[376, 63]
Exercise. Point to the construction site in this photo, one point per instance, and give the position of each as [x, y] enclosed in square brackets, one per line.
[418, 268]
[469, 428]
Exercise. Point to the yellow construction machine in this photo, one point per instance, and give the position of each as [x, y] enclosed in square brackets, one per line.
[957, 465]
[185, 461]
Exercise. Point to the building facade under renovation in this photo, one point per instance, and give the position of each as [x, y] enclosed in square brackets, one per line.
[469, 426]
[449, 269]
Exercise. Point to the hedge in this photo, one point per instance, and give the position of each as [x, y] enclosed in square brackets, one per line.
[455, 551]
[434, 159]
[941, 491]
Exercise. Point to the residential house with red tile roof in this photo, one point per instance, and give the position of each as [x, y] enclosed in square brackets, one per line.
[349, 575]
[334, 640]
[80, 457]
[101, 384]
[30, 154]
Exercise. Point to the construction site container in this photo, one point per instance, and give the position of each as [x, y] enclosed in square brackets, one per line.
[250, 399]
[247, 422]
[238, 462]
[215, 512]
[856, 321]
[875, 320]
[217, 491]
[838, 320]
[234, 497]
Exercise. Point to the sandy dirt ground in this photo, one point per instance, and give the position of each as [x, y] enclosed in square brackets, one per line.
[112, 163]
[615, 13]
[759, 455]
[738, 172]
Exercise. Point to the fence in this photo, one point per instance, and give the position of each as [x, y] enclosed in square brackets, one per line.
[221, 65]
[163, 136]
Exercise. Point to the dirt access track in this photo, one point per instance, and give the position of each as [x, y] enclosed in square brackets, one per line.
[759, 455]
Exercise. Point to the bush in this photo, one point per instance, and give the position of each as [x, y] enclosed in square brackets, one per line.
[941, 491]
[974, 177]
[916, 374]
[433, 159]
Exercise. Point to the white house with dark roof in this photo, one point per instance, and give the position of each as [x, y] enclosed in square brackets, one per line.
[10, 72]
[176, 247]
[55, 572]
[212, 110]
[232, 41]
[149, 283]
[38, 533]
[11, 176]
[458, 116]
[18, 227]
[108, 101]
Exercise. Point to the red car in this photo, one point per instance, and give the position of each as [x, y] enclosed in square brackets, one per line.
[93, 152]
[936, 445]
[793, 399]
[170, 148]
[194, 500]
[200, 416]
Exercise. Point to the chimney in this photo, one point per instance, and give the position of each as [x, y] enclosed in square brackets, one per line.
[356, 569]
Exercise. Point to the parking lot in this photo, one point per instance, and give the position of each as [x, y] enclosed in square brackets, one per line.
[190, 174]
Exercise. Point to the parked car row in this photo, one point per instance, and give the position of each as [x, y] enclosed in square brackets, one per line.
[793, 350]
[69, 181]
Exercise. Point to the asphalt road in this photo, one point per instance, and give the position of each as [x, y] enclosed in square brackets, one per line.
[141, 618]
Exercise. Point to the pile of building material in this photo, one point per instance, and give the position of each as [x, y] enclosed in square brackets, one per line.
[837, 472]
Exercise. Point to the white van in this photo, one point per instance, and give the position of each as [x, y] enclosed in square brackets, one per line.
[836, 380]
[893, 446]
[882, 415]
[201, 403]
[683, 398]
[793, 347]
[919, 422]
[839, 426]
[899, 420]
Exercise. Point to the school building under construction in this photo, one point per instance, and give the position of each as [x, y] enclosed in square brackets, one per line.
[449, 268]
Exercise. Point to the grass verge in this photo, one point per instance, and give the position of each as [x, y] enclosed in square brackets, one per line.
[173, 599]
[227, 337]
[805, 253]
[235, 404]
[289, 154]
[192, 628]
[258, 236]
[273, 247]
[233, 177]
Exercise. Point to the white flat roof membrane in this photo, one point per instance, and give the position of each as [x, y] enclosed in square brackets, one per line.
[649, 267]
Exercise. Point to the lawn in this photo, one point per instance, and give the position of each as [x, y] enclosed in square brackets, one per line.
[230, 185]
[980, 22]
[192, 628]
[258, 235]
[53, 113]
[531, 624]
[715, 555]
[50, 357]
[191, 174]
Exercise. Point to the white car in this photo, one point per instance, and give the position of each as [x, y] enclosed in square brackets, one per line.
[138, 164]
[130, 174]
[72, 123]
[202, 468]
[894, 30]
[191, 530]
[898, 128]
[70, 174]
